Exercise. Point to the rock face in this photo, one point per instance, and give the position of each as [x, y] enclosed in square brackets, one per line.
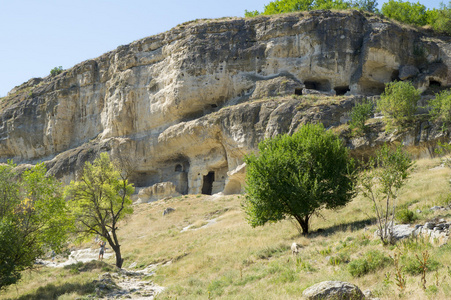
[333, 290]
[186, 105]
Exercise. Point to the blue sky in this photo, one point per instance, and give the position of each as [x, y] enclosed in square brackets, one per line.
[37, 35]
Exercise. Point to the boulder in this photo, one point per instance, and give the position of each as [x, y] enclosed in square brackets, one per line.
[336, 290]
[402, 231]
[168, 210]
[409, 71]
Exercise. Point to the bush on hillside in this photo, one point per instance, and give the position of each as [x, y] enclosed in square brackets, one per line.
[405, 12]
[56, 70]
[372, 261]
[440, 19]
[398, 103]
[359, 114]
[441, 107]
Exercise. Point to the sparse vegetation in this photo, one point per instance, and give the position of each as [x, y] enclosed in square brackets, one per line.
[56, 70]
[441, 107]
[360, 113]
[398, 103]
[372, 261]
[403, 11]
[381, 182]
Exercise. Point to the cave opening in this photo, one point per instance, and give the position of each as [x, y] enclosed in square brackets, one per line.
[395, 76]
[311, 85]
[434, 83]
[341, 90]
[179, 168]
[207, 185]
[317, 84]
[298, 91]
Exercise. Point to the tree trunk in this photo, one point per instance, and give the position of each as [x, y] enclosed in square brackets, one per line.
[119, 260]
[304, 224]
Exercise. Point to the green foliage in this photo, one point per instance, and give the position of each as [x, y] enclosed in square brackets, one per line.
[285, 6]
[405, 12]
[56, 70]
[406, 216]
[372, 261]
[380, 183]
[398, 102]
[33, 219]
[296, 176]
[250, 14]
[359, 114]
[440, 19]
[99, 200]
[441, 107]
[402, 11]
[415, 265]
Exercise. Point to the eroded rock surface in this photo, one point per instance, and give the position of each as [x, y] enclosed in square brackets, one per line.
[187, 105]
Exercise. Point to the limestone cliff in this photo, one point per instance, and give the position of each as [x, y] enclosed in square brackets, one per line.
[187, 104]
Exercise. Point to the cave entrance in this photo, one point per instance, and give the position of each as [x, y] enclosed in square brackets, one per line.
[179, 168]
[434, 83]
[317, 84]
[298, 92]
[311, 85]
[341, 90]
[207, 185]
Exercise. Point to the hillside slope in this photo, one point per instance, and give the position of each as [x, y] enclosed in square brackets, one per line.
[206, 250]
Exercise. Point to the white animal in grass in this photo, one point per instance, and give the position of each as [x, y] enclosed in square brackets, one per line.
[295, 248]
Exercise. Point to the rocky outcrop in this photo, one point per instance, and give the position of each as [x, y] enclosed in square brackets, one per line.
[188, 104]
[157, 191]
[333, 290]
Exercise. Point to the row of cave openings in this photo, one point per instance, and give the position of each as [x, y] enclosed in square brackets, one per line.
[324, 86]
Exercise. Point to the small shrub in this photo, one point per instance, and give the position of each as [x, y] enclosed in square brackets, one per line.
[398, 103]
[372, 261]
[359, 114]
[414, 266]
[339, 259]
[56, 70]
[406, 216]
[441, 107]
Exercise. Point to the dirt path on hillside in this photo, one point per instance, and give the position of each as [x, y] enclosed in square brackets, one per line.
[123, 284]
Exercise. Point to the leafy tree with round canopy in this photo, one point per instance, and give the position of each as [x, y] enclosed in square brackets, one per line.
[297, 176]
[99, 200]
[33, 219]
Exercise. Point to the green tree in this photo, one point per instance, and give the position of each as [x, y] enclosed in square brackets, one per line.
[33, 219]
[405, 12]
[285, 6]
[441, 107]
[359, 114]
[296, 176]
[440, 19]
[398, 102]
[99, 200]
[381, 182]
[56, 70]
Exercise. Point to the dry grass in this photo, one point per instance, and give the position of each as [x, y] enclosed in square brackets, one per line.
[220, 256]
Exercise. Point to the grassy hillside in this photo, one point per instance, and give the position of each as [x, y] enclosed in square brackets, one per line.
[221, 257]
